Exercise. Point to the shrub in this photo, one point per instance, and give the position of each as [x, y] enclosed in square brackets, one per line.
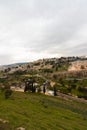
[7, 93]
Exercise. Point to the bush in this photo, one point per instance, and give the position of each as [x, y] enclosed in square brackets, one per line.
[8, 93]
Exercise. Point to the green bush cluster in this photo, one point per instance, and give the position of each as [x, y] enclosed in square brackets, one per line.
[7, 93]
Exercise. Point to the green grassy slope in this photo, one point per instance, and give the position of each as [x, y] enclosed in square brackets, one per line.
[40, 112]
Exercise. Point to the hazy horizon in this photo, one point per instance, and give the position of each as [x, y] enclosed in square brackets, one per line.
[37, 29]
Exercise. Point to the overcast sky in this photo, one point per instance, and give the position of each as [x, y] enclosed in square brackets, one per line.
[34, 29]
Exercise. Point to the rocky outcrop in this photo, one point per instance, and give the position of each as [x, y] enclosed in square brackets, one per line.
[78, 66]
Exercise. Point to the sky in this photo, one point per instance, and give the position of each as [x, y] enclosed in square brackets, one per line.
[36, 29]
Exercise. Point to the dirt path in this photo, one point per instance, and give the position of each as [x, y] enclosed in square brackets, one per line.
[64, 96]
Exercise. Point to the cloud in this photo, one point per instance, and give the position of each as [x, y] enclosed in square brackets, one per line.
[33, 29]
[5, 59]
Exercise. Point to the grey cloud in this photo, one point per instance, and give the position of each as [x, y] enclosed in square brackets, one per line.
[38, 26]
[79, 49]
[6, 59]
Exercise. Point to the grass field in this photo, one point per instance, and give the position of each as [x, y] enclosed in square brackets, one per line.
[40, 112]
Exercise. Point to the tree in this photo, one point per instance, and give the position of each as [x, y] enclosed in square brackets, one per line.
[29, 86]
[44, 89]
[82, 67]
[55, 90]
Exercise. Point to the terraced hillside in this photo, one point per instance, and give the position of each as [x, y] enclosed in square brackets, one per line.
[51, 70]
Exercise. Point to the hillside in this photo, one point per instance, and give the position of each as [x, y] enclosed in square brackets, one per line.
[40, 112]
[32, 109]
[50, 64]
[54, 72]
[78, 66]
